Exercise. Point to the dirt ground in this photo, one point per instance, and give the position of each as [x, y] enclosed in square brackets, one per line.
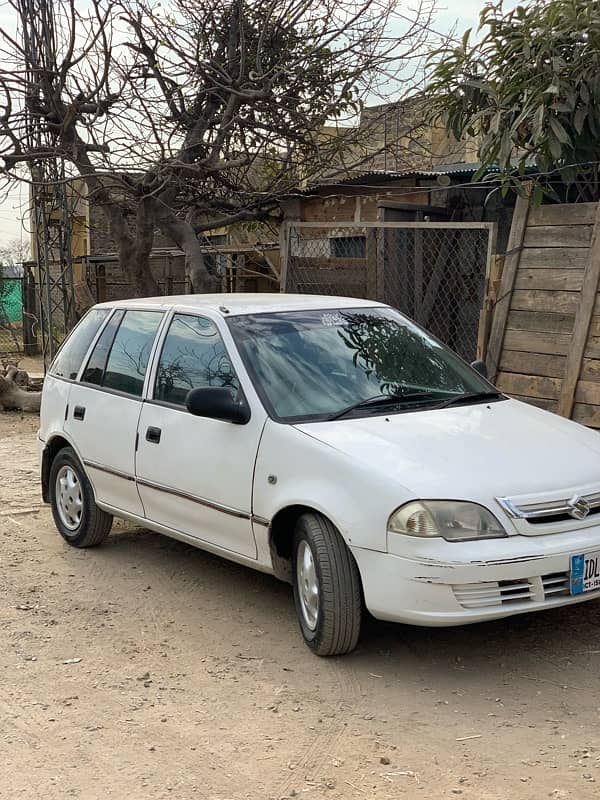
[148, 669]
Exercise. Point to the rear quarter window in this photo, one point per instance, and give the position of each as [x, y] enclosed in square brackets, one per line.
[70, 356]
[96, 366]
[130, 352]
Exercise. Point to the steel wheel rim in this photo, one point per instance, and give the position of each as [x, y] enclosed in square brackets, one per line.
[307, 584]
[69, 498]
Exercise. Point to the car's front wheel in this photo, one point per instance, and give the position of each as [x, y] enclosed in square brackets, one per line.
[327, 590]
[78, 519]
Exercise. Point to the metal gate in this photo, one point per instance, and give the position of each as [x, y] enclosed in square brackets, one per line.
[434, 272]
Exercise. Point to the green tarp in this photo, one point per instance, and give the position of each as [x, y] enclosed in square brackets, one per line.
[11, 299]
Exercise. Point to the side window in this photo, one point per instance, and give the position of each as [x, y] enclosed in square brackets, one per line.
[130, 351]
[193, 357]
[71, 354]
[96, 366]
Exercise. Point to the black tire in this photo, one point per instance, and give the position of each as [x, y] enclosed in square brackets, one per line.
[93, 525]
[336, 623]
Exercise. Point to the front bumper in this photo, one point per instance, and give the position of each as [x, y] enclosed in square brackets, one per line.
[523, 574]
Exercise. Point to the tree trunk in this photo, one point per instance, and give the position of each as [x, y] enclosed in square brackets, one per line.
[195, 264]
[135, 265]
[134, 256]
[135, 249]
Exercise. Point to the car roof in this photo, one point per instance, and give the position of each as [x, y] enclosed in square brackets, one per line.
[244, 303]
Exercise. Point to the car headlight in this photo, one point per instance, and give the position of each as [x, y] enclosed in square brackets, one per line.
[453, 520]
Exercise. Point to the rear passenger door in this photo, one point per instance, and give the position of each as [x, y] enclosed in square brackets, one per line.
[104, 406]
[65, 369]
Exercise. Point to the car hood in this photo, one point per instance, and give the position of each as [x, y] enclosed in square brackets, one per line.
[474, 452]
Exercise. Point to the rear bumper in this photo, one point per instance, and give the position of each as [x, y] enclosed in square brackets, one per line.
[422, 591]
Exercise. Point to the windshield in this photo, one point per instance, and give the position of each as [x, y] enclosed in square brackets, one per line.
[314, 365]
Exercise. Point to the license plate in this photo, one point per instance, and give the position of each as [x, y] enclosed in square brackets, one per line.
[585, 572]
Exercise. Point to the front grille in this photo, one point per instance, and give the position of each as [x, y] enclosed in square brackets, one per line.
[565, 509]
[515, 591]
[557, 583]
[559, 517]
[496, 594]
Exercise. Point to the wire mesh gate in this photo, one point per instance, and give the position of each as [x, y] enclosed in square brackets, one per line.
[435, 273]
[18, 314]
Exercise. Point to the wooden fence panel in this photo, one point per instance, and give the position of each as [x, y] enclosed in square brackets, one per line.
[550, 257]
[555, 215]
[581, 328]
[540, 321]
[546, 327]
[509, 273]
[544, 364]
[568, 280]
[551, 236]
[529, 385]
[534, 342]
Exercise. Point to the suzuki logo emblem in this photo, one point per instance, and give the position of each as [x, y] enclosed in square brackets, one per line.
[579, 508]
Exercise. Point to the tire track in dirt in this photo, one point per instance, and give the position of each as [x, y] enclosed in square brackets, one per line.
[174, 587]
[315, 755]
[32, 727]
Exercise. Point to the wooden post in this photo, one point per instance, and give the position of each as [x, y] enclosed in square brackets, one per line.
[284, 254]
[581, 326]
[30, 346]
[227, 276]
[492, 290]
[371, 263]
[168, 274]
[493, 272]
[509, 273]
[240, 277]
[380, 265]
[418, 244]
[100, 283]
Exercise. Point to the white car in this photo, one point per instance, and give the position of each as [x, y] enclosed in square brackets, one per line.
[330, 442]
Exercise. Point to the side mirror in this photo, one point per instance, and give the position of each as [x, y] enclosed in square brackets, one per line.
[217, 403]
[480, 367]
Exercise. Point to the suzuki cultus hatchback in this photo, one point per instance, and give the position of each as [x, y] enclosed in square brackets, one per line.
[330, 442]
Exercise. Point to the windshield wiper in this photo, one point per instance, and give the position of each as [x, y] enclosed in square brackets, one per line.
[382, 400]
[469, 397]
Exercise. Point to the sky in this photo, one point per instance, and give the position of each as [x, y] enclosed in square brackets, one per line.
[465, 13]
[452, 15]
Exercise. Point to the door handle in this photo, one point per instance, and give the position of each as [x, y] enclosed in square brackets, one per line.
[153, 435]
[79, 412]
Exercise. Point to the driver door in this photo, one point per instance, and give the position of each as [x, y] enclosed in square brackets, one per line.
[195, 474]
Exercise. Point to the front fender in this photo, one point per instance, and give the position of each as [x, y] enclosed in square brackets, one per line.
[293, 468]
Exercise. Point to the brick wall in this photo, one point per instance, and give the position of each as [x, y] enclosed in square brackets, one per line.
[101, 240]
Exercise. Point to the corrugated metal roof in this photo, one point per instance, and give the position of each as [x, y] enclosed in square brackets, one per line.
[382, 176]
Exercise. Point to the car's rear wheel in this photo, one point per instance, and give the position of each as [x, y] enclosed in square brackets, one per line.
[78, 519]
[327, 590]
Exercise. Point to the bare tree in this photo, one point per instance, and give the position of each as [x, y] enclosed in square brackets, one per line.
[12, 256]
[192, 114]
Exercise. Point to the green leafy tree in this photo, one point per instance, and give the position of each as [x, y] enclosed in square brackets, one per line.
[529, 89]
